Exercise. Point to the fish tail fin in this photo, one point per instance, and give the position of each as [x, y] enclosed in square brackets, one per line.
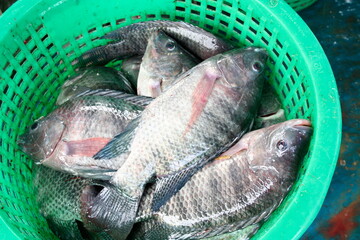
[109, 209]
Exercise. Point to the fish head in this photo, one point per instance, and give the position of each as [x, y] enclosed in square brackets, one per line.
[42, 137]
[163, 61]
[278, 149]
[243, 67]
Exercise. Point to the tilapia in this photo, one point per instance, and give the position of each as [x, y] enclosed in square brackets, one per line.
[132, 40]
[207, 109]
[59, 198]
[131, 67]
[68, 137]
[240, 188]
[270, 110]
[94, 78]
[164, 60]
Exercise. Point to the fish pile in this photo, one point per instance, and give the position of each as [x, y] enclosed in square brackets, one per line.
[184, 141]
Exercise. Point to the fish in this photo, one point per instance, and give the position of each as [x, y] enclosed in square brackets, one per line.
[132, 40]
[164, 60]
[270, 110]
[211, 106]
[131, 68]
[68, 137]
[238, 189]
[265, 159]
[94, 78]
[59, 199]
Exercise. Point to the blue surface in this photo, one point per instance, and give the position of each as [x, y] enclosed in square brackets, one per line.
[336, 24]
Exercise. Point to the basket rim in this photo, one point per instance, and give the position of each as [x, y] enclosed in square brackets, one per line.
[325, 95]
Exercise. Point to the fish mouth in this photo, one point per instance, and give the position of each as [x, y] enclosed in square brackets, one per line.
[304, 129]
[268, 115]
[303, 124]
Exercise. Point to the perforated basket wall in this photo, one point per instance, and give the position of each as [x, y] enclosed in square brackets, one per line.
[298, 5]
[39, 39]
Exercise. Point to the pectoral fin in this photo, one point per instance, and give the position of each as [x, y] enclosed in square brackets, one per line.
[85, 147]
[120, 143]
[201, 96]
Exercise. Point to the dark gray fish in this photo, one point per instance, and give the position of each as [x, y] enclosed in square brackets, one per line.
[94, 78]
[131, 67]
[164, 60]
[68, 137]
[209, 107]
[270, 110]
[59, 198]
[240, 188]
[132, 40]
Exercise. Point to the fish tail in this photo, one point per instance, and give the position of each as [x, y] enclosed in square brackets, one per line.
[110, 209]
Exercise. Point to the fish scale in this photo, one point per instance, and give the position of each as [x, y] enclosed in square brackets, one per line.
[164, 60]
[232, 192]
[224, 184]
[93, 78]
[132, 40]
[75, 131]
[180, 114]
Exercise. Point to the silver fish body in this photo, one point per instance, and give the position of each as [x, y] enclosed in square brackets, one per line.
[236, 190]
[68, 137]
[132, 40]
[93, 78]
[210, 106]
[164, 60]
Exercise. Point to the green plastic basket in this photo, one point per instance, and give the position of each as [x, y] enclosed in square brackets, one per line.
[298, 5]
[39, 39]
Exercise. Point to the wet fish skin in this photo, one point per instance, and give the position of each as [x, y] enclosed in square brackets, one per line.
[238, 189]
[58, 196]
[261, 122]
[210, 106]
[141, 101]
[164, 60]
[270, 102]
[68, 137]
[131, 67]
[132, 40]
[270, 110]
[94, 78]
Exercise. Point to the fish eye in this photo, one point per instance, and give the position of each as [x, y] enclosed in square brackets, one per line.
[281, 145]
[170, 46]
[257, 66]
[34, 126]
